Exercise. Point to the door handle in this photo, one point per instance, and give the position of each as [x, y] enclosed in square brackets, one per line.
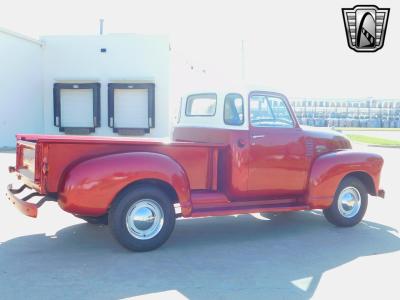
[258, 136]
[241, 143]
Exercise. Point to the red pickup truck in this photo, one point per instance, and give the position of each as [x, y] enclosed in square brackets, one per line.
[230, 153]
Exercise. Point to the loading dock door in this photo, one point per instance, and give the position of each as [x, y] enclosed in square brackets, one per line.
[77, 108]
[131, 109]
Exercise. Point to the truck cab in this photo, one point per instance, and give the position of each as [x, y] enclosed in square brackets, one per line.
[231, 152]
[270, 154]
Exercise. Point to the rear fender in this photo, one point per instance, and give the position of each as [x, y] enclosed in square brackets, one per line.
[89, 187]
[328, 171]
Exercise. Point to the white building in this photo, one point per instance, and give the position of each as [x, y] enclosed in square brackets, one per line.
[132, 66]
[105, 85]
[21, 86]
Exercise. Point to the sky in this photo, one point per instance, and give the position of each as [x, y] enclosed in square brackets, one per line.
[187, 23]
[46, 17]
[298, 47]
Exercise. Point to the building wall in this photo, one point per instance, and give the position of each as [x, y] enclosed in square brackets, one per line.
[128, 58]
[21, 101]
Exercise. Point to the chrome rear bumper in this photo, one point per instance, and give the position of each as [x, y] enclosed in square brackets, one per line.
[27, 208]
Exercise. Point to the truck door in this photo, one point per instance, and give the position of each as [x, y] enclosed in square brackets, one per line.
[277, 161]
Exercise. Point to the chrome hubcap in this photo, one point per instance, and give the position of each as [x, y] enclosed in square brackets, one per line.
[349, 202]
[144, 219]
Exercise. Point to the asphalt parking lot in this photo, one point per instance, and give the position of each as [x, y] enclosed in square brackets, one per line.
[283, 256]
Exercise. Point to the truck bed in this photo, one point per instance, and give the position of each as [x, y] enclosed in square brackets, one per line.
[43, 159]
[78, 139]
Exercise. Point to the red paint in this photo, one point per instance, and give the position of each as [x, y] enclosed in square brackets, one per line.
[278, 164]
[329, 169]
[90, 186]
[28, 209]
[213, 171]
[233, 171]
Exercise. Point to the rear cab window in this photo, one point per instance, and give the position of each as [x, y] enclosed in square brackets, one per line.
[226, 109]
[233, 109]
[201, 105]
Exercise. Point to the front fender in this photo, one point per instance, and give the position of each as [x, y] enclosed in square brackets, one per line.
[89, 187]
[329, 169]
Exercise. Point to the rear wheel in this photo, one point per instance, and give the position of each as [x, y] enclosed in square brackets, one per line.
[142, 218]
[349, 205]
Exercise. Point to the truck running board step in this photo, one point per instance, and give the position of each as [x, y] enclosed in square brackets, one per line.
[226, 211]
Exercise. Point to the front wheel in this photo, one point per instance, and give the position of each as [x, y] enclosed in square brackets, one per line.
[349, 205]
[142, 218]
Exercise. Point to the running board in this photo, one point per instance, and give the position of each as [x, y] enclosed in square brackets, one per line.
[208, 212]
[217, 204]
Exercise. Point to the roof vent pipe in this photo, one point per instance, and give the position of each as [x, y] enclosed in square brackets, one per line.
[101, 26]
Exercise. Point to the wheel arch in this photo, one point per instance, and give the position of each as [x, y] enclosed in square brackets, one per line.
[92, 185]
[366, 179]
[160, 184]
[329, 170]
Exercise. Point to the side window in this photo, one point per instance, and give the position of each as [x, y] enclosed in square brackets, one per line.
[201, 105]
[269, 111]
[233, 109]
[281, 112]
[260, 111]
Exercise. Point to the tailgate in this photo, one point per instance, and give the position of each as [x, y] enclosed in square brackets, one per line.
[31, 171]
[28, 163]
[26, 159]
